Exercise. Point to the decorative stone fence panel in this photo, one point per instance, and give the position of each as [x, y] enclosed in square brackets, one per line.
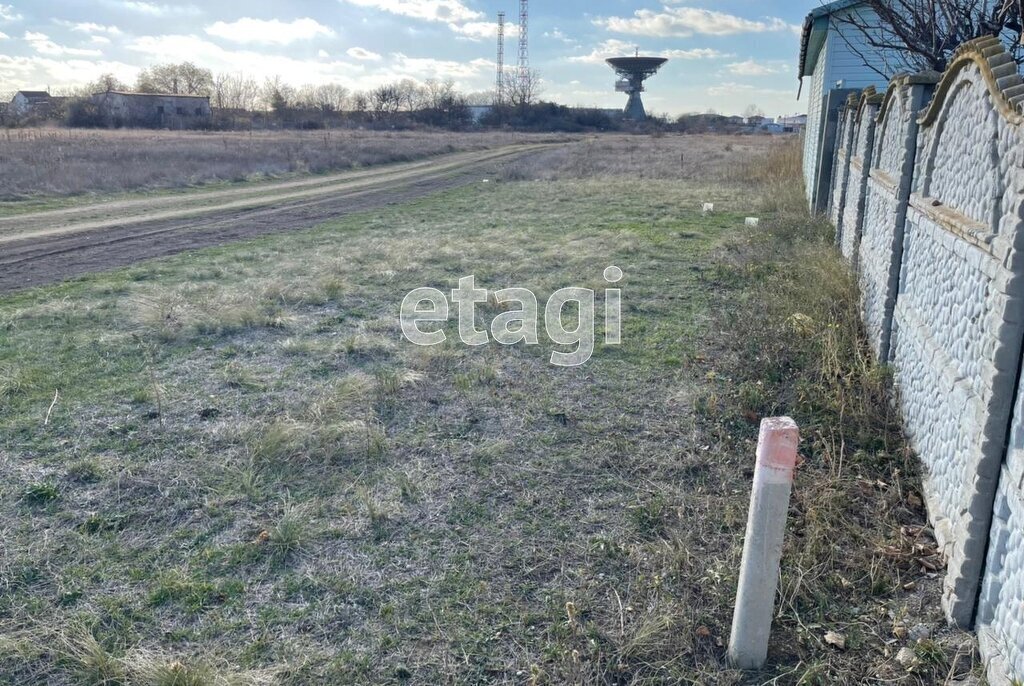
[861, 148]
[841, 168]
[957, 334]
[1001, 604]
[886, 197]
[940, 249]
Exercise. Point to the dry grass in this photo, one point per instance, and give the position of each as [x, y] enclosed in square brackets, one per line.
[861, 560]
[57, 162]
[704, 159]
[251, 475]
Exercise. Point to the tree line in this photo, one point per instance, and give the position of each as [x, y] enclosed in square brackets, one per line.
[241, 92]
[240, 101]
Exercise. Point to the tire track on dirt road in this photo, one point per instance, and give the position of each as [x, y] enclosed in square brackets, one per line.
[38, 249]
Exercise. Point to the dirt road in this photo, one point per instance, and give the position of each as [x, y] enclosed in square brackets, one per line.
[46, 247]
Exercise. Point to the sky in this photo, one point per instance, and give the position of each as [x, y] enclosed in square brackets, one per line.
[724, 55]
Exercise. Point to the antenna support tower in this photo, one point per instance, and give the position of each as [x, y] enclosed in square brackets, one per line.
[499, 93]
[633, 71]
[524, 42]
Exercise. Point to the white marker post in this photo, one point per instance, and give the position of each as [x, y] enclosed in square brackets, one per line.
[762, 548]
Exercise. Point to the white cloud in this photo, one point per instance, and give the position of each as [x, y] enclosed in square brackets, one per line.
[695, 54]
[170, 48]
[752, 68]
[736, 88]
[619, 48]
[449, 11]
[461, 19]
[8, 13]
[481, 30]
[559, 35]
[429, 68]
[154, 10]
[89, 27]
[355, 74]
[3, 36]
[249, 30]
[42, 44]
[100, 40]
[683, 22]
[477, 30]
[363, 54]
[323, 54]
[36, 72]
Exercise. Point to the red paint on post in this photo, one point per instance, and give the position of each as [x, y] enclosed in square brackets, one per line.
[777, 445]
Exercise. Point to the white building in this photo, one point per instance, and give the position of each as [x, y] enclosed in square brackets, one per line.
[25, 103]
[796, 122]
[832, 56]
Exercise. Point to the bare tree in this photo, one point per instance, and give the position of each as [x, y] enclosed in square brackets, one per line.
[480, 98]
[106, 83]
[360, 102]
[918, 35]
[523, 90]
[752, 111]
[276, 95]
[179, 79]
[330, 97]
[410, 94]
[436, 94]
[443, 105]
[386, 101]
[235, 92]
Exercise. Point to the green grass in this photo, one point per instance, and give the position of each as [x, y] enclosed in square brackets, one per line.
[433, 487]
[250, 476]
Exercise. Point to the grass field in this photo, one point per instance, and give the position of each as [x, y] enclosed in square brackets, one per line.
[40, 164]
[229, 467]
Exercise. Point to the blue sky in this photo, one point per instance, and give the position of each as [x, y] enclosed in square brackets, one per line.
[724, 54]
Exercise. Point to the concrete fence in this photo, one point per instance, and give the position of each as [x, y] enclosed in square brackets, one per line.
[928, 202]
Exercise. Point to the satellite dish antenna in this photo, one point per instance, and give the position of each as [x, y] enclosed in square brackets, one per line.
[633, 71]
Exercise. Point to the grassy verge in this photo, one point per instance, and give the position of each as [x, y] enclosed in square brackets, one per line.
[861, 568]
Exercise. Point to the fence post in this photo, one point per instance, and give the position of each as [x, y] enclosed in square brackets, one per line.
[762, 547]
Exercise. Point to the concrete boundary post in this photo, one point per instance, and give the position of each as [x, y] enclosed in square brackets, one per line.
[762, 546]
[922, 86]
[826, 165]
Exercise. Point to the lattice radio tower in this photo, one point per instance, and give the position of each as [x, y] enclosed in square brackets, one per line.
[500, 85]
[524, 44]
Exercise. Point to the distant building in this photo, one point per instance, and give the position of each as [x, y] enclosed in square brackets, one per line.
[774, 128]
[796, 122]
[153, 110]
[833, 54]
[33, 103]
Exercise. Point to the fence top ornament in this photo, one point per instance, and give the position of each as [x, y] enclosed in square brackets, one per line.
[999, 70]
[900, 82]
[869, 97]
